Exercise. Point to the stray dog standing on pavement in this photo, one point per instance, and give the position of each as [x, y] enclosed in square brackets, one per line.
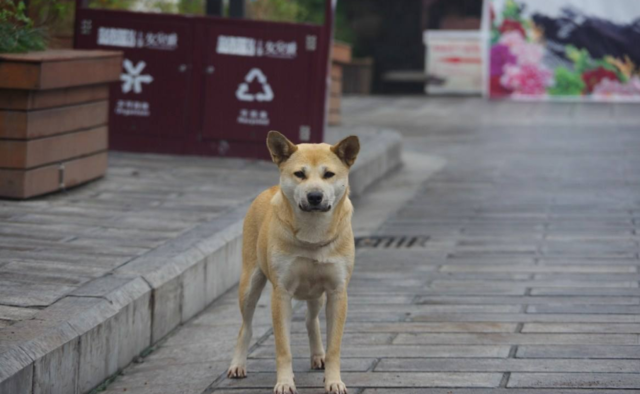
[298, 236]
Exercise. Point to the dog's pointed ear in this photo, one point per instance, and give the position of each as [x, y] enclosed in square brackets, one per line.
[347, 150]
[280, 147]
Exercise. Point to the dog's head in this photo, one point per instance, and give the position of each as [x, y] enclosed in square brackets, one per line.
[313, 177]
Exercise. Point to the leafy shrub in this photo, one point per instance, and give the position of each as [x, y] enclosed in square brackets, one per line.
[17, 31]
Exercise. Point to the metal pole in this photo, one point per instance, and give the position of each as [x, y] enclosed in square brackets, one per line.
[236, 8]
[214, 8]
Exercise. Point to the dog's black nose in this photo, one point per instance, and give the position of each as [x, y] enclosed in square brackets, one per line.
[314, 198]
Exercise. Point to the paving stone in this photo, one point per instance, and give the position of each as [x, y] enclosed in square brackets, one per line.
[400, 327]
[579, 352]
[349, 339]
[192, 376]
[32, 294]
[506, 365]
[587, 291]
[302, 365]
[444, 351]
[581, 328]
[195, 353]
[449, 300]
[540, 268]
[516, 339]
[380, 379]
[575, 380]
[440, 283]
[16, 313]
[587, 309]
[522, 318]
[483, 391]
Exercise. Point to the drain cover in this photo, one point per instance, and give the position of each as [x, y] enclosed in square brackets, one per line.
[391, 242]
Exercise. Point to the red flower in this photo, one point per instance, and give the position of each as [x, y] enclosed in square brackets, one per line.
[492, 12]
[594, 77]
[497, 89]
[511, 25]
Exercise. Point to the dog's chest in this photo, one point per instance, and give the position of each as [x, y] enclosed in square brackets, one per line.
[308, 279]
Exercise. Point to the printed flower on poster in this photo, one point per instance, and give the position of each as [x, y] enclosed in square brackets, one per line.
[509, 25]
[528, 53]
[512, 39]
[497, 89]
[501, 56]
[610, 87]
[567, 83]
[527, 79]
[594, 77]
[627, 67]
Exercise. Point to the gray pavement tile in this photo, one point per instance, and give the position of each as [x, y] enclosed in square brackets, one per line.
[516, 339]
[586, 309]
[443, 326]
[550, 282]
[579, 352]
[545, 269]
[417, 351]
[16, 313]
[538, 300]
[349, 339]
[585, 291]
[192, 376]
[522, 318]
[574, 380]
[303, 365]
[487, 391]
[506, 365]
[608, 328]
[379, 379]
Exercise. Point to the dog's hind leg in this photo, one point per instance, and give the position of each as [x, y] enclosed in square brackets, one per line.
[313, 329]
[251, 286]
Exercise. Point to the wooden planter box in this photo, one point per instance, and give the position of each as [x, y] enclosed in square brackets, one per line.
[340, 56]
[54, 111]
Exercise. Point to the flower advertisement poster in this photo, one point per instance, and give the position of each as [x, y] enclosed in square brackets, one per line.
[564, 49]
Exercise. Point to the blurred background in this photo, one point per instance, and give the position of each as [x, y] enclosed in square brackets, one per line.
[496, 194]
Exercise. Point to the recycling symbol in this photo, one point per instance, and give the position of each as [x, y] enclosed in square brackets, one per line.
[243, 89]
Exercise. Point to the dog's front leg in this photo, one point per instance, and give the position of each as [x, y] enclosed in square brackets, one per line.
[336, 317]
[281, 315]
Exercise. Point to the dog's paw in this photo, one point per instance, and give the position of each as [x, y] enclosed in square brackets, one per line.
[285, 388]
[317, 362]
[335, 388]
[237, 372]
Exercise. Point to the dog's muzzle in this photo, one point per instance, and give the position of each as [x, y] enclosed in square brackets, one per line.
[314, 203]
[308, 208]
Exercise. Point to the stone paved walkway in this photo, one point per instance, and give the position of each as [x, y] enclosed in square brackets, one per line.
[528, 282]
[52, 245]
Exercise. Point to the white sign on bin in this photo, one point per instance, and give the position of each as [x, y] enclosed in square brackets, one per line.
[454, 62]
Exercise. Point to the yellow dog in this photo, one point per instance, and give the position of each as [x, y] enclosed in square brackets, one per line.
[298, 236]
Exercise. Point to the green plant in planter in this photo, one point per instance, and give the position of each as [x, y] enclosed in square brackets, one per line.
[17, 31]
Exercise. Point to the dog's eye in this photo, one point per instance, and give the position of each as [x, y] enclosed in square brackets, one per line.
[328, 175]
[299, 174]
